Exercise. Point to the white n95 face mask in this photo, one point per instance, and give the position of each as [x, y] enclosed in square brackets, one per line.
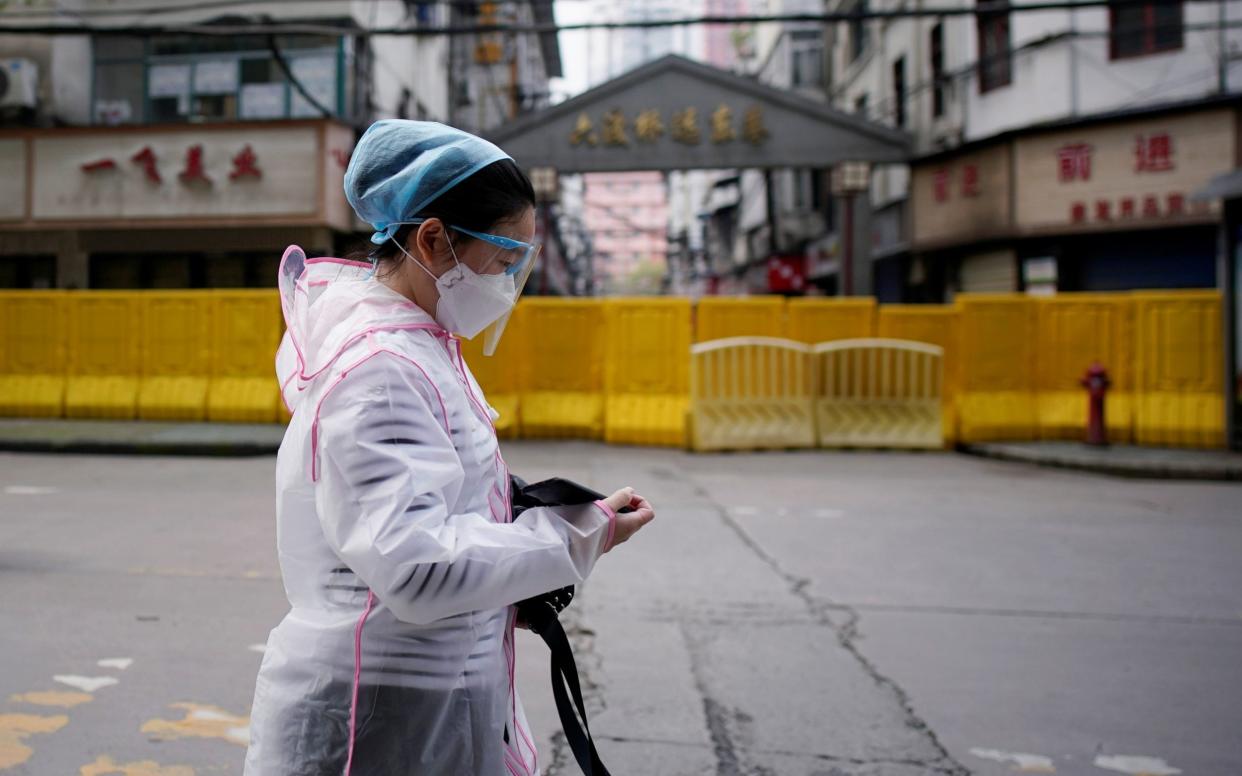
[469, 302]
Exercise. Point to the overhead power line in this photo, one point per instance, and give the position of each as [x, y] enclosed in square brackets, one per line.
[232, 28]
[211, 5]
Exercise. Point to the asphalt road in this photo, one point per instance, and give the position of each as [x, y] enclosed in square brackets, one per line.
[808, 614]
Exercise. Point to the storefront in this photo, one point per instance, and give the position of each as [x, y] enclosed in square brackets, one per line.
[1102, 205]
[182, 206]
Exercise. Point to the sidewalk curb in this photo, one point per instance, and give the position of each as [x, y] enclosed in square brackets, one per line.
[1147, 470]
[151, 438]
[139, 448]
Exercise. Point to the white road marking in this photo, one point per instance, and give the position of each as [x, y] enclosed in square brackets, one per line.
[1028, 763]
[119, 663]
[241, 734]
[828, 513]
[29, 490]
[86, 683]
[744, 511]
[260, 648]
[1131, 763]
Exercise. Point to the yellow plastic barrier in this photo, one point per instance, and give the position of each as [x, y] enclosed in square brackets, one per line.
[720, 317]
[1075, 330]
[33, 353]
[935, 325]
[813, 320]
[618, 369]
[647, 374]
[563, 376]
[997, 400]
[104, 354]
[879, 393]
[751, 393]
[176, 355]
[500, 375]
[1178, 355]
[246, 328]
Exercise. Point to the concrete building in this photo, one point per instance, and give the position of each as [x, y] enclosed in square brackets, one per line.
[168, 160]
[628, 214]
[494, 78]
[760, 223]
[1055, 149]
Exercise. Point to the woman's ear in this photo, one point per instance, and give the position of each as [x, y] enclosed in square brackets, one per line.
[429, 242]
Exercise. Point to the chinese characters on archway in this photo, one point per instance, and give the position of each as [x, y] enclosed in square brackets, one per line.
[245, 165]
[687, 126]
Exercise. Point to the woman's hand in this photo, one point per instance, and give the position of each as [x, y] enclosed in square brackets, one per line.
[628, 523]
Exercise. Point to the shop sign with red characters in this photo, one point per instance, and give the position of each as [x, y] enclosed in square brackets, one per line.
[1127, 173]
[180, 174]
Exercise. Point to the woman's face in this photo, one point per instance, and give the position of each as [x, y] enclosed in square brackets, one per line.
[488, 259]
[433, 245]
[441, 247]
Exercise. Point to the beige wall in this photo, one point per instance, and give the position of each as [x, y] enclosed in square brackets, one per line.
[12, 179]
[961, 215]
[1202, 147]
[287, 156]
[337, 146]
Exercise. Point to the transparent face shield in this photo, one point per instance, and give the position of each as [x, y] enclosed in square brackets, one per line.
[517, 260]
[507, 255]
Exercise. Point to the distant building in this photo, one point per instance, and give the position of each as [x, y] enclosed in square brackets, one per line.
[756, 219]
[1055, 150]
[494, 78]
[176, 161]
[627, 216]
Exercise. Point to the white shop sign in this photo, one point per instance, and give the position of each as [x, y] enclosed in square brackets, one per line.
[177, 174]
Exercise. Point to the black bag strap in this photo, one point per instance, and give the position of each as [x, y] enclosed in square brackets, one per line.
[565, 672]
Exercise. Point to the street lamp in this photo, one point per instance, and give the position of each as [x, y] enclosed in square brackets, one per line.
[546, 184]
[849, 179]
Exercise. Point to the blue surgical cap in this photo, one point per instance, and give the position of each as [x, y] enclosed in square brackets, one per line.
[400, 166]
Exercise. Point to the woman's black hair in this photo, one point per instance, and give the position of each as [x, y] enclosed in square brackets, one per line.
[497, 192]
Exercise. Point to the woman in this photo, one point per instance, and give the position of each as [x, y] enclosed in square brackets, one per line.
[399, 553]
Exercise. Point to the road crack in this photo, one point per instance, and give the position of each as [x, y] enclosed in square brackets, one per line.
[846, 634]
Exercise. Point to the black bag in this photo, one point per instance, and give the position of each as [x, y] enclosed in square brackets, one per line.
[540, 614]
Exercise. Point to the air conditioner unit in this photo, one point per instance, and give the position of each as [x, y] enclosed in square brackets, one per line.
[19, 83]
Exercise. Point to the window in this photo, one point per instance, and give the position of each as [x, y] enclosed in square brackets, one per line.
[899, 92]
[424, 13]
[860, 105]
[807, 55]
[175, 79]
[118, 93]
[1139, 29]
[803, 189]
[995, 56]
[858, 31]
[937, 70]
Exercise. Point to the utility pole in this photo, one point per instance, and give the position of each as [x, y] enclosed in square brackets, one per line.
[1222, 54]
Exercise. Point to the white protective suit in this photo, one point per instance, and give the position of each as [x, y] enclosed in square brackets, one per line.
[400, 556]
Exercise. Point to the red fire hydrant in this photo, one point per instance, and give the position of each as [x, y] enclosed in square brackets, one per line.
[1096, 382]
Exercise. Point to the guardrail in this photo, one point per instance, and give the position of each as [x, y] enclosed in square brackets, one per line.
[620, 369]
